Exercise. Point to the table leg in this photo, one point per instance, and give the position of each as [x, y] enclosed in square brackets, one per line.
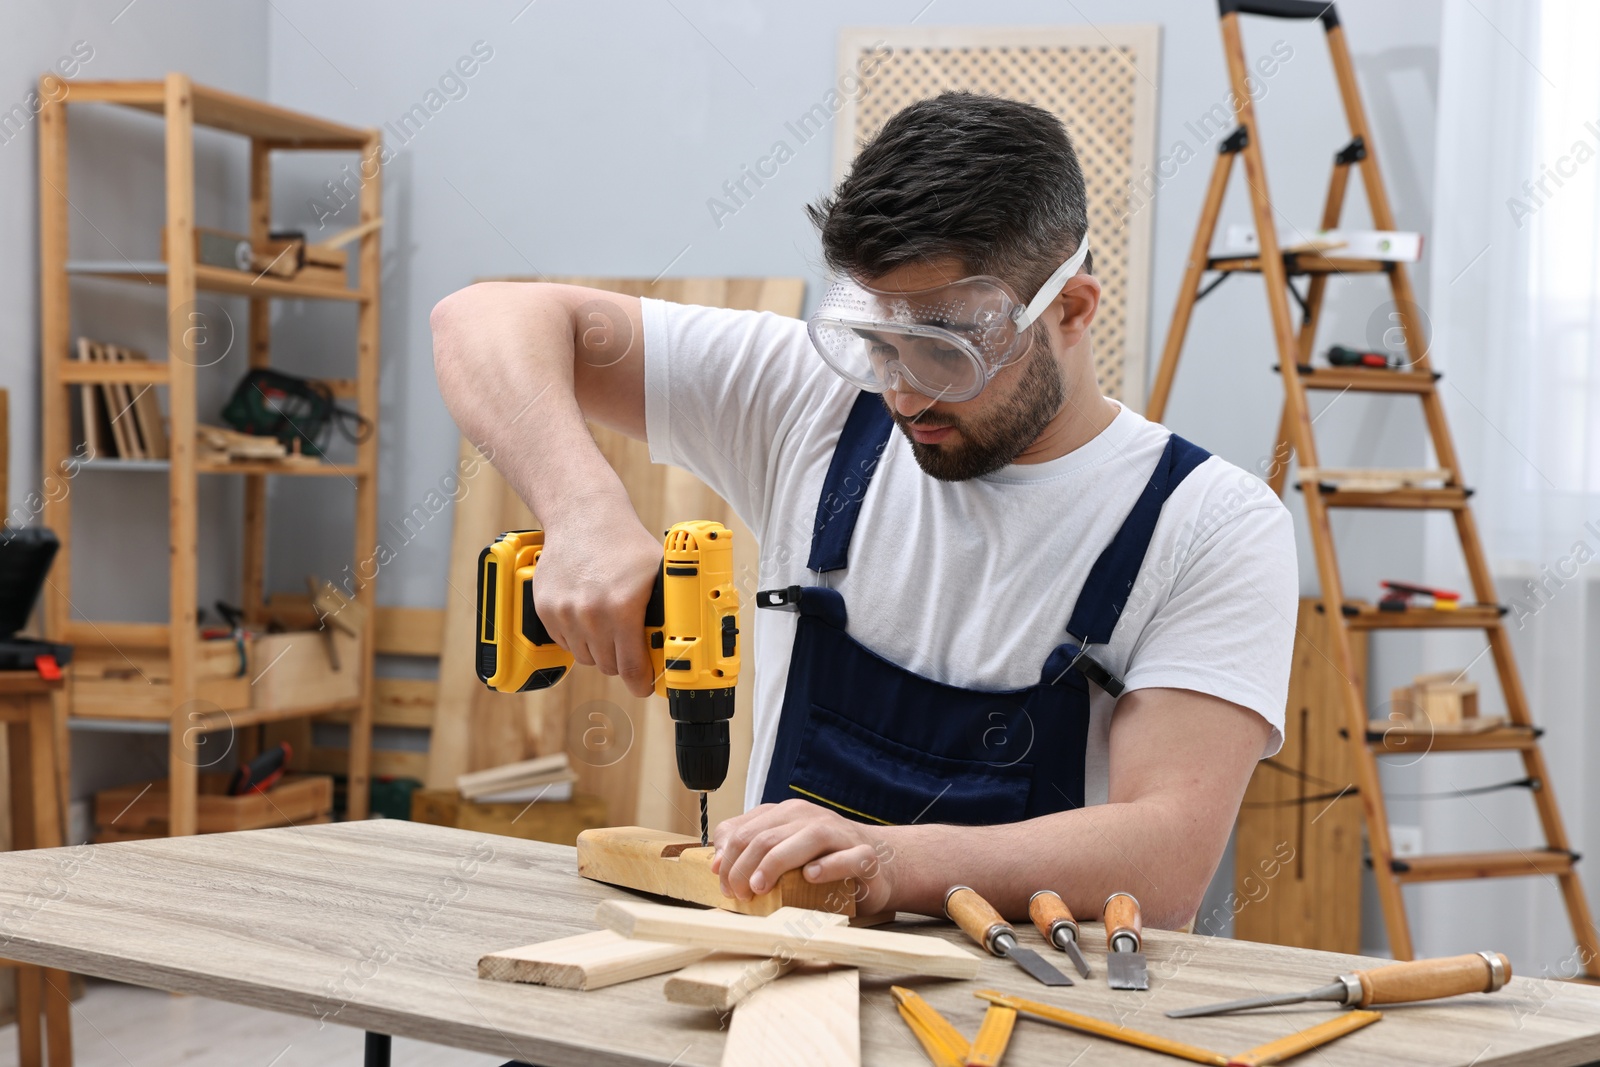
[57, 996]
[377, 1054]
[30, 1050]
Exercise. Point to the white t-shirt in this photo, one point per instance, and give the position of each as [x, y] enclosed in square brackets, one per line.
[971, 583]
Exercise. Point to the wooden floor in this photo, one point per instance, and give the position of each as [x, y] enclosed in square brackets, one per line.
[125, 1026]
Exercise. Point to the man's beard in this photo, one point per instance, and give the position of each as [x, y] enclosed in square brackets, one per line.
[1011, 427]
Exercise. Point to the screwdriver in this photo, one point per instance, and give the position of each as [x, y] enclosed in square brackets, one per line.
[1054, 920]
[1397, 983]
[993, 934]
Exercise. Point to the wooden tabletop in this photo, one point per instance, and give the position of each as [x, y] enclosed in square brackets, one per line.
[379, 925]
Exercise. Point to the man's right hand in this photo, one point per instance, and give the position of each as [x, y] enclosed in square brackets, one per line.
[591, 587]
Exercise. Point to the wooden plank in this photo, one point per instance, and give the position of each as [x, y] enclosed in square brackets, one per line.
[476, 511]
[410, 631]
[621, 744]
[146, 409]
[812, 1016]
[675, 866]
[541, 770]
[870, 949]
[594, 960]
[182, 480]
[559, 821]
[399, 702]
[1298, 862]
[722, 979]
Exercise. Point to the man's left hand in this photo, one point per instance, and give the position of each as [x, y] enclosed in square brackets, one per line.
[755, 849]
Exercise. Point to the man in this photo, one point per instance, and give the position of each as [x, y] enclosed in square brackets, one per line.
[976, 550]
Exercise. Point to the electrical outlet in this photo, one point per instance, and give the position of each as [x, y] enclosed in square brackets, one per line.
[1406, 840]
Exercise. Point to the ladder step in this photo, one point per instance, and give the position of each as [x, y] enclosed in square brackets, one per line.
[1407, 741]
[1299, 263]
[1463, 866]
[1448, 498]
[1466, 617]
[1365, 379]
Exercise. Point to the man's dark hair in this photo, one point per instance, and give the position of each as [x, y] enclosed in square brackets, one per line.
[993, 183]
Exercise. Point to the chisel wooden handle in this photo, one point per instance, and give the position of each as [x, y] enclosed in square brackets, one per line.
[1122, 920]
[976, 916]
[1049, 912]
[1401, 983]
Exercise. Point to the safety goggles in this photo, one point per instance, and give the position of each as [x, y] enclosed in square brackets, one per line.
[945, 342]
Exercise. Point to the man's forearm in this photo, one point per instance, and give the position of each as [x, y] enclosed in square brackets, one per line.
[1085, 855]
[504, 357]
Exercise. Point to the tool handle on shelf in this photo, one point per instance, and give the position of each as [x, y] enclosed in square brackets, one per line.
[1122, 919]
[1048, 910]
[1401, 983]
[976, 916]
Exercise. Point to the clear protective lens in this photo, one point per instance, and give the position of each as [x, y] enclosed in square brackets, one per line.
[944, 342]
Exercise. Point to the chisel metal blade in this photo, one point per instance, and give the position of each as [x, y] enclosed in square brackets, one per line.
[1037, 966]
[1075, 954]
[1127, 970]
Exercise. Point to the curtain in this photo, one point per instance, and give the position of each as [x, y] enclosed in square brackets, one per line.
[1514, 303]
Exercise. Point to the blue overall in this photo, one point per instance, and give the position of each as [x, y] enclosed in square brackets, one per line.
[881, 744]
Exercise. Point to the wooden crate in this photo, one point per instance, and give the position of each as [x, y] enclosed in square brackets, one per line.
[136, 683]
[292, 670]
[559, 822]
[1298, 861]
[140, 810]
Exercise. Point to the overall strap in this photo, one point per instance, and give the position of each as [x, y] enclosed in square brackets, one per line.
[1106, 590]
[855, 460]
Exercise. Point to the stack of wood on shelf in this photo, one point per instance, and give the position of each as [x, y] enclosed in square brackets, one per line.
[287, 255]
[1445, 702]
[531, 798]
[219, 445]
[128, 681]
[119, 420]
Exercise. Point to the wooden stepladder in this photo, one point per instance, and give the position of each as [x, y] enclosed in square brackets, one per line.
[1323, 490]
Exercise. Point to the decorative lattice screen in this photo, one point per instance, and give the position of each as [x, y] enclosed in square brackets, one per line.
[1099, 80]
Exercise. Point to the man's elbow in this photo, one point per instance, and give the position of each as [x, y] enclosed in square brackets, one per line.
[449, 322]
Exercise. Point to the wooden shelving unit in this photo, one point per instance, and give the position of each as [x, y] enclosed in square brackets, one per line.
[269, 129]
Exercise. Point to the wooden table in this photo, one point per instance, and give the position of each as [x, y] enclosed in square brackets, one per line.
[379, 925]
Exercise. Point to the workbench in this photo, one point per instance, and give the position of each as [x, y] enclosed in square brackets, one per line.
[379, 925]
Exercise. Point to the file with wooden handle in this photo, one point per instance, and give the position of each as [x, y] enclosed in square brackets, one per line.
[1397, 983]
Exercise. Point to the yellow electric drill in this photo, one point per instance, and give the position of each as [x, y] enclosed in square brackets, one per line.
[691, 625]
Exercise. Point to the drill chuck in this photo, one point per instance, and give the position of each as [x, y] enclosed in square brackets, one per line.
[700, 720]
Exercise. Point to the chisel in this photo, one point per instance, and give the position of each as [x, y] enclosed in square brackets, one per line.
[1125, 966]
[1054, 920]
[1398, 983]
[984, 925]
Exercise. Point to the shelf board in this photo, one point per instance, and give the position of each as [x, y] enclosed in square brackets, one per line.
[216, 720]
[211, 280]
[304, 470]
[227, 111]
[1298, 263]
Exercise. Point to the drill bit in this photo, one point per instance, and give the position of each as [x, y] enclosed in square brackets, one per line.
[705, 834]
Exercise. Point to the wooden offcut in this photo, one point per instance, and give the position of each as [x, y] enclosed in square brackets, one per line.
[810, 1017]
[676, 866]
[723, 979]
[877, 950]
[593, 960]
